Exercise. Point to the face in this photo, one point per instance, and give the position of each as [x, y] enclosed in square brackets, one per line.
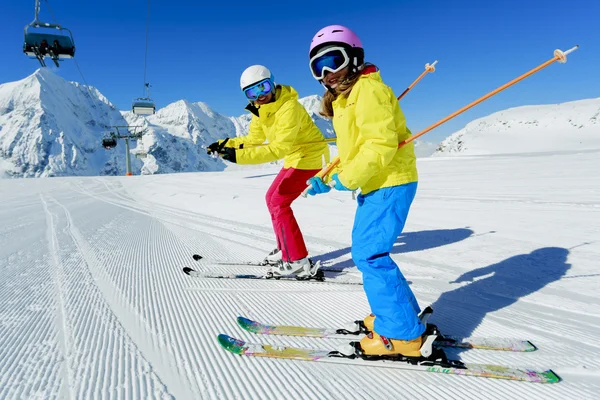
[333, 79]
[263, 99]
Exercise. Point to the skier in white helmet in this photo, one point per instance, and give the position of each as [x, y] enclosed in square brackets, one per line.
[280, 120]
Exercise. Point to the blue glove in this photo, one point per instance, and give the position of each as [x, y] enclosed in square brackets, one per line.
[317, 186]
[338, 184]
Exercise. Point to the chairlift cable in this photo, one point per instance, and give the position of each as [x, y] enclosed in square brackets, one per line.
[51, 13]
[83, 78]
[146, 55]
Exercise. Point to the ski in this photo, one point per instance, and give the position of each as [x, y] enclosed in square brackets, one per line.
[436, 363]
[198, 257]
[500, 344]
[318, 278]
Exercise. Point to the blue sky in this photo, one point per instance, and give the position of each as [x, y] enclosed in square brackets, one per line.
[198, 49]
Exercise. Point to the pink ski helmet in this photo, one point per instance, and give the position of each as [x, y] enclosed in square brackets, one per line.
[338, 35]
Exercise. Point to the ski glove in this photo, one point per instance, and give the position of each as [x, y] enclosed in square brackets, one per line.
[228, 153]
[216, 146]
[338, 184]
[317, 186]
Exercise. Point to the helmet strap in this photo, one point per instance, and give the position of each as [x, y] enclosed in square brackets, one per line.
[328, 88]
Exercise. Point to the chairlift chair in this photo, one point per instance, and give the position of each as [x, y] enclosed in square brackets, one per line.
[109, 142]
[51, 40]
[143, 106]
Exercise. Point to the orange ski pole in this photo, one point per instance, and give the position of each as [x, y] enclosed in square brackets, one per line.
[559, 56]
[324, 172]
[428, 68]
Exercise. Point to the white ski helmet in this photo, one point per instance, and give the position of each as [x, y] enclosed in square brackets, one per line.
[254, 74]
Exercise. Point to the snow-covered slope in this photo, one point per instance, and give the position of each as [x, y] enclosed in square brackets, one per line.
[50, 127]
[93, 303]
[529, 129]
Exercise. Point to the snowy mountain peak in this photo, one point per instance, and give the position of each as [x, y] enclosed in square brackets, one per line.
[49, 127]
[312, 104]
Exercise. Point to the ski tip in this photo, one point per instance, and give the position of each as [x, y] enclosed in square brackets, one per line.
[197, 257]
[529, 346]
[188, 270]
[231, 344]
[551, 377]
[246, 323]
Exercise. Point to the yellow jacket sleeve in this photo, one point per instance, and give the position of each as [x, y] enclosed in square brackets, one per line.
[286, 128]
[378, 136]
[255, 135]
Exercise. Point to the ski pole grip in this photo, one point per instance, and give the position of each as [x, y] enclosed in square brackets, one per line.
[430, 67]
[561, 56]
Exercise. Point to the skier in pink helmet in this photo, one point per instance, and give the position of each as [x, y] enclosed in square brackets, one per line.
[369, 125]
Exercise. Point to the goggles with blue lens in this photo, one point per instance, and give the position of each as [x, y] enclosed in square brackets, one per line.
[261, 88]
[331, 59]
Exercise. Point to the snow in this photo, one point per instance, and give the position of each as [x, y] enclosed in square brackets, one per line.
[568, 126]
[93, 302]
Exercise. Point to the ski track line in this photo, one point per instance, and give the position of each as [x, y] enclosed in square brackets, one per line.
[145, 342]
[106, 360]
[65, 334]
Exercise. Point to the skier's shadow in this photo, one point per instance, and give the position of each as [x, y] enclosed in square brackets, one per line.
[460, 311]
[406, 242]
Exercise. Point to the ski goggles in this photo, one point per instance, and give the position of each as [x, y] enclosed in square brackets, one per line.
[332, 59]
[261, 88]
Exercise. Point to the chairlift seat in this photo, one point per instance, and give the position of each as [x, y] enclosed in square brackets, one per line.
[34, 40]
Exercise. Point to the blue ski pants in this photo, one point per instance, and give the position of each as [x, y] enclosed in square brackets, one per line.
[380, 218]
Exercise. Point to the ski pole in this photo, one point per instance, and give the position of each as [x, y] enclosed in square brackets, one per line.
[559, 56]
[428, 68]
[324, 172]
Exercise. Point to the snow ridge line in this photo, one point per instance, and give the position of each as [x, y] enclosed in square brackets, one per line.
[65, 335]
[129, 320]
